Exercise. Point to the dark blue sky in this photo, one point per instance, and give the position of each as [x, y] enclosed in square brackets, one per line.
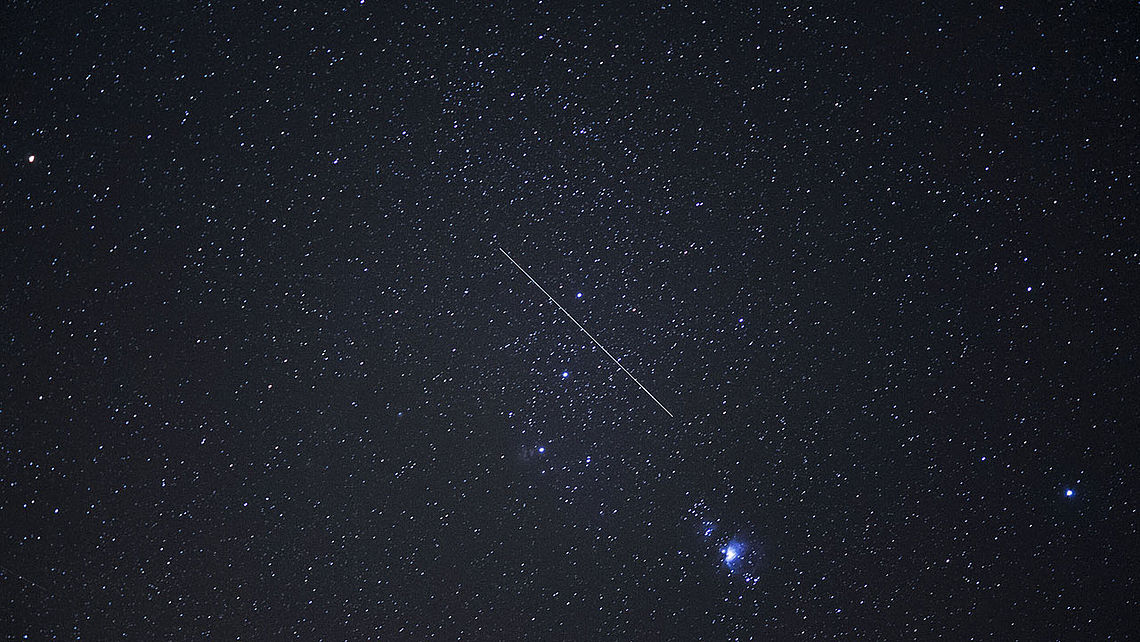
[266, 373]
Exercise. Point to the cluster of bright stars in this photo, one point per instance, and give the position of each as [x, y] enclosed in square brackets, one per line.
[736, 552]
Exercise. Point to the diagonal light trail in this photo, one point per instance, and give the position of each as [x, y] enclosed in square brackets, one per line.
[586, 331]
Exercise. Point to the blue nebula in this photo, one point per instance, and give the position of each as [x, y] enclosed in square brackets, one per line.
[735, 552]
[744, 558]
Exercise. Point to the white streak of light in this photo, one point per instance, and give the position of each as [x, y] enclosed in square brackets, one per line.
[586, 331]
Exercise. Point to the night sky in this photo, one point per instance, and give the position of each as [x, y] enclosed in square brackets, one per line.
[267, 372]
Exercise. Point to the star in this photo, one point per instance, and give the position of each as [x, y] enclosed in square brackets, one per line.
[1068, 492]
[565, 374]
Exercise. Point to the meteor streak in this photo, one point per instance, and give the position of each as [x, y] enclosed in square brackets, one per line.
[586, 331]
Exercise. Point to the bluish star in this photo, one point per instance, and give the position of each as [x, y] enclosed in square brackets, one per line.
[565, 374]
[1069, 492]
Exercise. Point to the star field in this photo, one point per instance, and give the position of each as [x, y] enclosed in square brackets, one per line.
[267, 373]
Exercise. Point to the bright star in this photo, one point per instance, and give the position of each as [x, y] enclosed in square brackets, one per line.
[579, 295]
[565, 373]
[1068, 492]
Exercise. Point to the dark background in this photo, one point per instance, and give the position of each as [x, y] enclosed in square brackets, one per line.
[266, 373]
